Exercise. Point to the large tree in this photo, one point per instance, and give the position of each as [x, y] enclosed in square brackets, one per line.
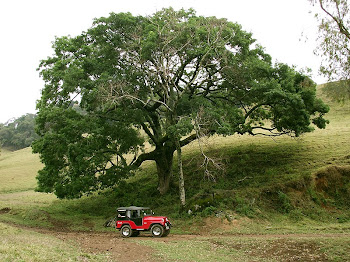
[162, 79]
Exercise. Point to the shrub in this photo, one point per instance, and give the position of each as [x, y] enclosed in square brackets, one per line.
[285, 205]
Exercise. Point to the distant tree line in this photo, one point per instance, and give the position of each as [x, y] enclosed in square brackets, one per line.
[19, 133]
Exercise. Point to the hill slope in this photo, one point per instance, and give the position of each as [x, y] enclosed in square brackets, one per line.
[291, 179]
[18, 170]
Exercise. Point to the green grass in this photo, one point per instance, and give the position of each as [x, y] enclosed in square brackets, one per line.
[192, 250]
[263, 179]
[22, 245]
[18, 170]
[45, 210]
[253, 248]
[267, 187]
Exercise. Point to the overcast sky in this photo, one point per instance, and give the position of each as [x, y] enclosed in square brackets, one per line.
[284, 27]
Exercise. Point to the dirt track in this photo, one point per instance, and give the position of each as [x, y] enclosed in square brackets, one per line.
[120, 249]
[129, 249]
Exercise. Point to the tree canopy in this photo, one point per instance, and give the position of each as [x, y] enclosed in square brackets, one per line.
[163, 79]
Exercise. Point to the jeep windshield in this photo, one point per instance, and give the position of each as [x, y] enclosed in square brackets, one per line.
[133, 212]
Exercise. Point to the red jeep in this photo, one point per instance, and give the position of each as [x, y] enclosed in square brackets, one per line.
[132, 220]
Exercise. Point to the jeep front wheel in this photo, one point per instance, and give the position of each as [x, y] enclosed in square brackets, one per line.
[126, 231]
[166, 232]
[157, 230]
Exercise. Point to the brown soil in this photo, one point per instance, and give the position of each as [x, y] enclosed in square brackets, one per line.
[283, 249]
[280, 247]
[5, 210]
[118, 248]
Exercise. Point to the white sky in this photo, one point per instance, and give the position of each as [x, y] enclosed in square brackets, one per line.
[27, 29]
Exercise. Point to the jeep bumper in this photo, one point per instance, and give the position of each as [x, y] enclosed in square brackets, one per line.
[167, 225]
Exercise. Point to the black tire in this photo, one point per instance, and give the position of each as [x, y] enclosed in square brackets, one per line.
[166, 233]
[157, 231]
[135, 233]
[126, 231]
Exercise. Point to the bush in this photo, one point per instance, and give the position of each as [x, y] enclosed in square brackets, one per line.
[296, 215]
[243, 207]
[285, 205]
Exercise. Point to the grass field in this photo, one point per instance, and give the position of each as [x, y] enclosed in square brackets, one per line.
[24, 245]
[18, 170]
[255, 248]
[295, 192]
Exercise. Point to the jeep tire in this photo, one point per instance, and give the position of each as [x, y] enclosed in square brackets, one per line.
[166, 232]
[126, 231]
[157, 230]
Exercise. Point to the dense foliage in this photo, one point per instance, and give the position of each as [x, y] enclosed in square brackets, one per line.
[18, 133]
[166, 79]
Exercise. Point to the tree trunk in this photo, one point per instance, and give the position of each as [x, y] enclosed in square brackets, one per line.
[164, 162]
[181, 175]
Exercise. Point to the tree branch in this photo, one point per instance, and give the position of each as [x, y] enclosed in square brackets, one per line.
[271, 130]
[188, 140]
[252, 110]
[338, 21]
[141, 158]
[148, 132]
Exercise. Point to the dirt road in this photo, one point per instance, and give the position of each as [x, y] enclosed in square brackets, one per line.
[280, 247]
[119, 249]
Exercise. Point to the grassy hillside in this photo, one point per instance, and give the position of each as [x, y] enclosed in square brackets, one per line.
[18, 170]
[285, 184]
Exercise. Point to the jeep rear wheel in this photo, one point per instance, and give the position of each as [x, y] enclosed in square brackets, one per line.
[126, 231]
[157, 230]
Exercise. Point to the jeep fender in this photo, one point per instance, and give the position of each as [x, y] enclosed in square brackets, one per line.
[151, 225]
[119, 226]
